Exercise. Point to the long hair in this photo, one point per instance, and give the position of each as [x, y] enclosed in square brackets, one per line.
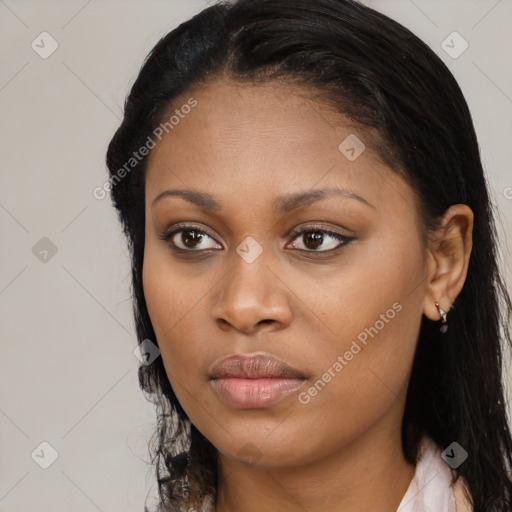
[383, 77]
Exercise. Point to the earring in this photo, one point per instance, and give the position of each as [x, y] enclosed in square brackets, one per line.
[442, 312]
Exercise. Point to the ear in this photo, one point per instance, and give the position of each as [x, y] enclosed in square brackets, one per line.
[448, 259]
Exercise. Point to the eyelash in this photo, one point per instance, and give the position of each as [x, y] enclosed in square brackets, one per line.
[296, 233]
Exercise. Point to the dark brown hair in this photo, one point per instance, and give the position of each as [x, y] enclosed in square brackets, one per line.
[386, 79]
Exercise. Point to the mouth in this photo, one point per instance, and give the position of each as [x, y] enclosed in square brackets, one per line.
[253, 382]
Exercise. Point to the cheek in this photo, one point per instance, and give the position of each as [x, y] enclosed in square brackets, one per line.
[365, 369]
[163, 300]
[370, 322]
[357, 382]
[164, 294]
[179, 316]
[167, 290]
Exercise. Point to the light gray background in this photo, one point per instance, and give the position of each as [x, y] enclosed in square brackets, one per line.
[68, 375]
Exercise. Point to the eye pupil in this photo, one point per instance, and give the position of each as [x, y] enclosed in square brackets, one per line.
[191, 238]
[315, 238]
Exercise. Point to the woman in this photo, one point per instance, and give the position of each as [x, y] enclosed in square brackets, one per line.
[314, 254]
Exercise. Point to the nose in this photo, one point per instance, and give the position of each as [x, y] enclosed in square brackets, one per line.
[251, 298]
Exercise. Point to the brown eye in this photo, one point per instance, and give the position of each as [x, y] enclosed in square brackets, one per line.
[313, 239]
[190, 239]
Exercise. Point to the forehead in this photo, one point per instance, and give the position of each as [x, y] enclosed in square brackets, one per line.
[265, 137]
[280, 113]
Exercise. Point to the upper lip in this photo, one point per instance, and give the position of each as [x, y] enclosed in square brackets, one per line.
[254, 367]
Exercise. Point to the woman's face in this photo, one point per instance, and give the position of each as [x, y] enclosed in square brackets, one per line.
[339, 304]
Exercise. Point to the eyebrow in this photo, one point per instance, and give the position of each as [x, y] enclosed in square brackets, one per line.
[282, 204]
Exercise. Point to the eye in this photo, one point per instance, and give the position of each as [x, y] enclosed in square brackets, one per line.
[190, 239]
[311, 238]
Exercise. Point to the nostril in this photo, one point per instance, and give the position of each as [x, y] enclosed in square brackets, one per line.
[266, 321]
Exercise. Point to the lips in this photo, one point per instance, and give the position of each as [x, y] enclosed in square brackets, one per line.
[254, 367]
[257, 381]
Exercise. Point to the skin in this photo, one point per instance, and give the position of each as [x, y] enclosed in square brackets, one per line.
[245, 145]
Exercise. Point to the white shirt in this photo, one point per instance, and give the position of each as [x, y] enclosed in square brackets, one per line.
[430, 489]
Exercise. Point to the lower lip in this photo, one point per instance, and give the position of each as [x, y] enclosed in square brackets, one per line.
[255, 393]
